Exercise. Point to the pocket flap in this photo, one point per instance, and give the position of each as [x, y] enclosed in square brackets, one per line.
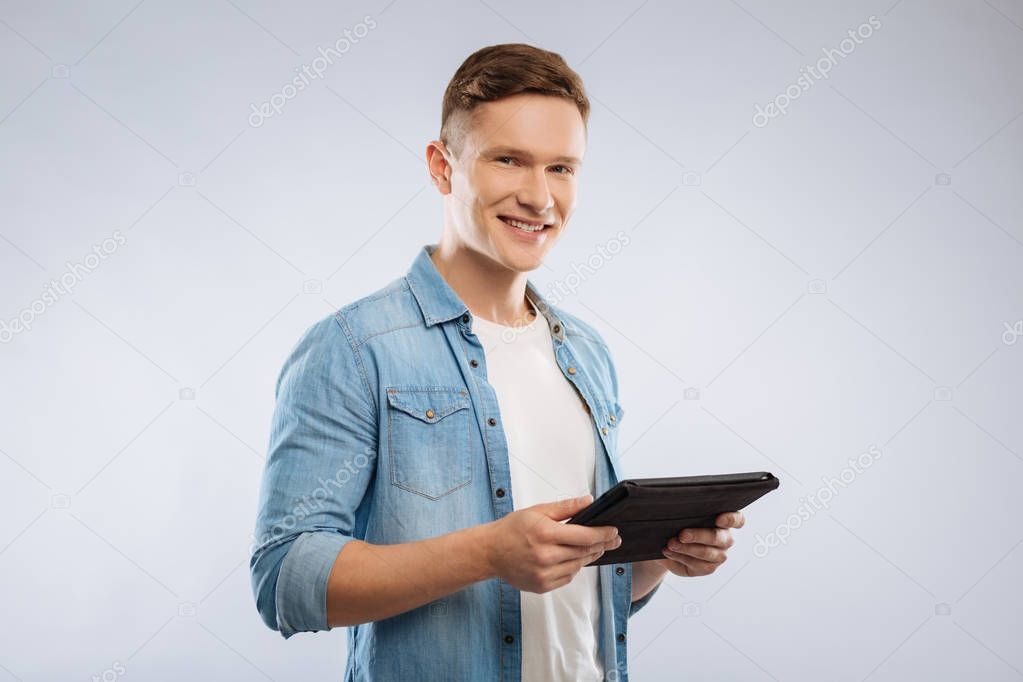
[428, 404]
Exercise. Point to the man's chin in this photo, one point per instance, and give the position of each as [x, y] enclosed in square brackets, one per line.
[521, 260]
[525, 257]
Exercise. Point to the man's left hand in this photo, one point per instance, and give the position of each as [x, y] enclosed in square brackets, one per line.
[699, 551]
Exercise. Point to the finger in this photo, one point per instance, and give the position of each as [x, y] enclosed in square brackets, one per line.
[572, 552]
[573, 567]
[718, 537]
[702, 552]
[575, 534]
[564, 509]
[695, 566]
[563, 581]
[561, 555]
[730, 520]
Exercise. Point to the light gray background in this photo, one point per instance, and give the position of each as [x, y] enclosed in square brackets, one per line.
[127, 508]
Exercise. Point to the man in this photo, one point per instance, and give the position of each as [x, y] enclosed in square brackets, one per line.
[430, 438]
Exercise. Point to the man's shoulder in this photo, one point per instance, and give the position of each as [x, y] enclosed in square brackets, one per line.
[392, 306]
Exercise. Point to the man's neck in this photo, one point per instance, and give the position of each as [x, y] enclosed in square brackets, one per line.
[490, 291]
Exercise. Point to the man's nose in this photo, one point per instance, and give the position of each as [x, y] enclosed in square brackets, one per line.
[535, 193]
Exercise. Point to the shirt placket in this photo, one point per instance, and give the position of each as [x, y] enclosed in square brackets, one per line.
[495, 444]
[615, 580]
[614, 622]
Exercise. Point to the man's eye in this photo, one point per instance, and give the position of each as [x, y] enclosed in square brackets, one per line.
[502, 158]
[566, 171]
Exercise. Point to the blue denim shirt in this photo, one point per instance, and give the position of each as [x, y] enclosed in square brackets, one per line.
[385, 431]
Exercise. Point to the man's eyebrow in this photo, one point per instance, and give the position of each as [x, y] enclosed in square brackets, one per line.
[512, 151]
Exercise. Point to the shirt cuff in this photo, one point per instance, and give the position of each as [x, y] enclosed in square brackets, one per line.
[301, 597]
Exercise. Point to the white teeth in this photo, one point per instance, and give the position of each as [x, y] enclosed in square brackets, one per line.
[523, 226]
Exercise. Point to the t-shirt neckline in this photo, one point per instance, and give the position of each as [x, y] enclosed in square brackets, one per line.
[521, 328]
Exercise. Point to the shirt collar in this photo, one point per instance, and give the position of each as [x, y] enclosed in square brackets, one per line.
[440, 303]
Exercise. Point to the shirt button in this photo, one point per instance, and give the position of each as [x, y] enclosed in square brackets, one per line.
[509, 639]
[499, 492]
[571, 370]
[612, 417]
[492, 421]
[556, 328]
[465, 319]
[621, 636]
[473, 363]
[620, 571]
[429, 414]
[603, 430]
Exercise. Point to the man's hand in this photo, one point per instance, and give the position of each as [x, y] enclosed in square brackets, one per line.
[532, 551]
[699, 551]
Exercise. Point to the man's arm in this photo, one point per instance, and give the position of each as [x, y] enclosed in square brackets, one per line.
[322, 457]
[646, 575]
[529, 548]
[370, 582]
[321, 460]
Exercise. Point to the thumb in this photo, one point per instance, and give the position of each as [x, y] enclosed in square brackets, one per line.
[563, 509]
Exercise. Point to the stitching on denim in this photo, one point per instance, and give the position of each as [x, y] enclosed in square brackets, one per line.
[394, 286]
[388, 331]
[391, 455]
[342, 322]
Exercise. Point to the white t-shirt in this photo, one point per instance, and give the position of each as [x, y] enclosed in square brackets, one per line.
[550, 452]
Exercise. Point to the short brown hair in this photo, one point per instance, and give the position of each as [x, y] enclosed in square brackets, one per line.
[498, 71]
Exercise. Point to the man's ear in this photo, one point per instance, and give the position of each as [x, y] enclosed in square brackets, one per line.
[438, 163]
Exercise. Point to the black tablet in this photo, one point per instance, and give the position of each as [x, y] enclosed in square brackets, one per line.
[649, 511]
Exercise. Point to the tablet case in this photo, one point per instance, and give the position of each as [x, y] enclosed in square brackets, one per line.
[649, 511]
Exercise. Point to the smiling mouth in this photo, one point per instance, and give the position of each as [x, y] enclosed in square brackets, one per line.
[525, 226]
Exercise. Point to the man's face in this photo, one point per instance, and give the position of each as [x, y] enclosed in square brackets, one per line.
[520, 160]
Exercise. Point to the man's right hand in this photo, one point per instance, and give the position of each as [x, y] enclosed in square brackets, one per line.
[532, 551]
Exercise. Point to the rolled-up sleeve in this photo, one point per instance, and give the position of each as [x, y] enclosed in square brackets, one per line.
[321, 459]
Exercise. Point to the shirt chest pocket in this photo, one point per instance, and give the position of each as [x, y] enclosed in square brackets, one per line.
[428, 439]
